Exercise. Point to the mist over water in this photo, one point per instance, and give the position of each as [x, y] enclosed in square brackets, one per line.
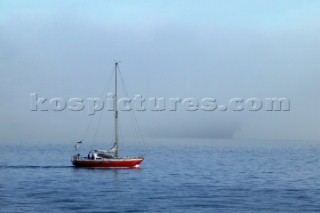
[195, 161]
[181, 49]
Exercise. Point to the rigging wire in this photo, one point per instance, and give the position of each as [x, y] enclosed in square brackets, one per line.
[104, 99]
[107, 85]
[122, 139]
[97, 129]
[138, 128]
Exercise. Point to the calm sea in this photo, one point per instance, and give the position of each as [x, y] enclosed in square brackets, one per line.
[181, 175]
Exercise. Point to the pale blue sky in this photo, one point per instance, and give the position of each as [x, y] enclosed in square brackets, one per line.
[220, 49]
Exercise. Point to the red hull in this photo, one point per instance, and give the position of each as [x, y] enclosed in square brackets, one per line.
[109, 163]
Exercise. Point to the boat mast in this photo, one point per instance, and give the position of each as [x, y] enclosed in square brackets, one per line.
[116, 109]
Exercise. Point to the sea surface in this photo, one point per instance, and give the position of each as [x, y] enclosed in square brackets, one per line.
[178, 175]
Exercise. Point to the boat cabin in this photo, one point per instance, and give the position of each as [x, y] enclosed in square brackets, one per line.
[96, 155]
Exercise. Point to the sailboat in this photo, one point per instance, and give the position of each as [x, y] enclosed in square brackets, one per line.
[107, 158]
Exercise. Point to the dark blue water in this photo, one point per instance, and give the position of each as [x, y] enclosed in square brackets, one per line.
[176, 176]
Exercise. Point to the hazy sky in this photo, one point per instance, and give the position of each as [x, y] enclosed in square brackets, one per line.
[219, 49]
